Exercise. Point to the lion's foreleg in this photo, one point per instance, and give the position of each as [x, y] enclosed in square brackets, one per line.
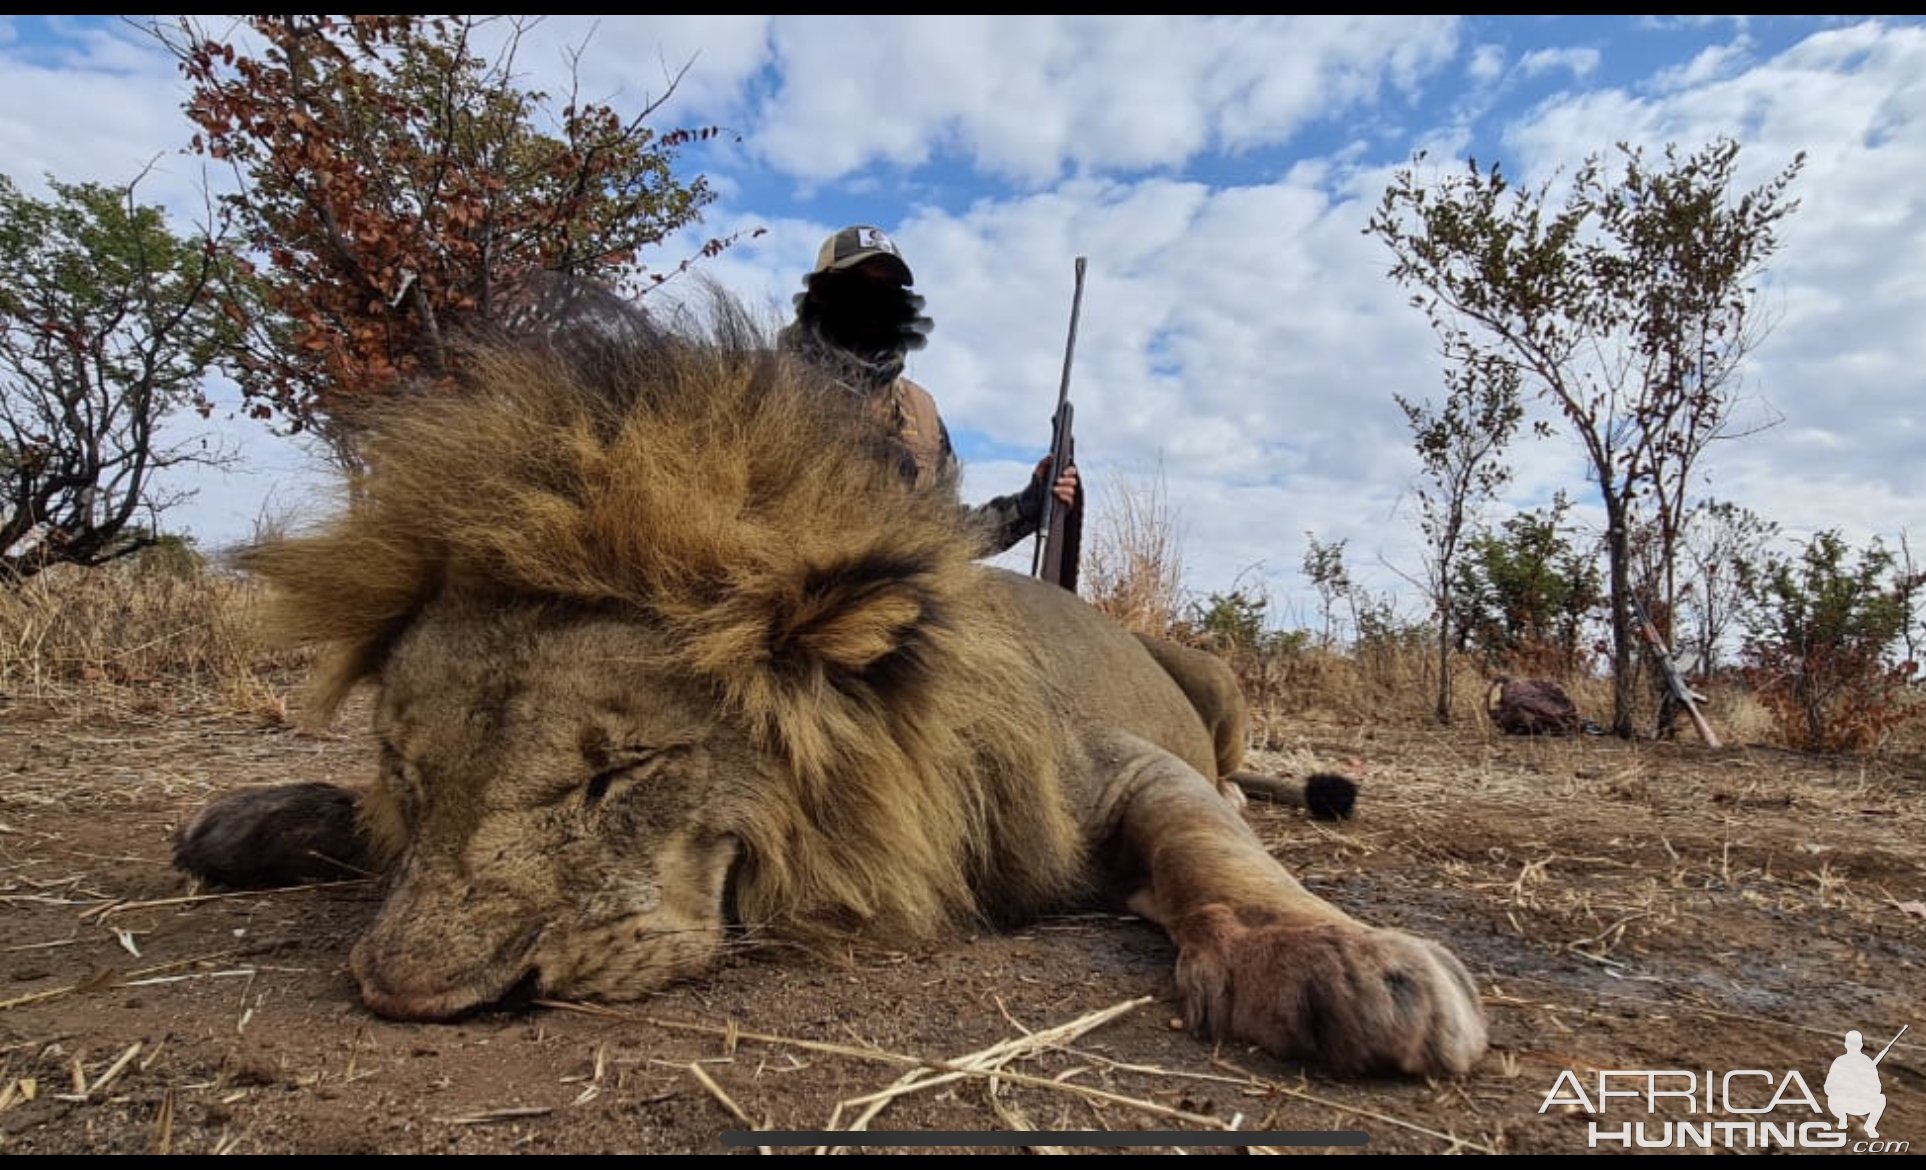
[276, 835]
[1260, 958]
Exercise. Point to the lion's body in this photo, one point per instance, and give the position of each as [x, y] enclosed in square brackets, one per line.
[660, 643]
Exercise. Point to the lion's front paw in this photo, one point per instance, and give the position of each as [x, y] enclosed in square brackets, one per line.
[277, 835]
[1354, 999]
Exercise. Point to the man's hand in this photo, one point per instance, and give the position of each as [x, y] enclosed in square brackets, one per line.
[1065, 488]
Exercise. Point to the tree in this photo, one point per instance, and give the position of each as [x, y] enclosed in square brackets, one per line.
[394, 189]
[107, 324]
[1524, 594]
[1323, 566]
[1628, 308]
[1230, 623]
[1820, 632]
[1909, 567]
[1721, 539]
[1459, 444]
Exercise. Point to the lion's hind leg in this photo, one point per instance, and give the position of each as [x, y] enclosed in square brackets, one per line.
[1260, 958]
[275, 835]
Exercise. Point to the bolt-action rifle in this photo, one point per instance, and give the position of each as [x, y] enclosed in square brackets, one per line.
[1060, 528]
[1670, 670]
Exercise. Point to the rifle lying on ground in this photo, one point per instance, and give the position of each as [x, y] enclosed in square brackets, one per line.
[1060, 528]
[1670, 670]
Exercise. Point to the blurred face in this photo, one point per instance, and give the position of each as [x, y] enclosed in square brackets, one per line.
[866, 308]
[879, 270]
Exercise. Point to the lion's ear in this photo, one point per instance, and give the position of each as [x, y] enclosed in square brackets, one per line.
[866, 618]
[846, 617]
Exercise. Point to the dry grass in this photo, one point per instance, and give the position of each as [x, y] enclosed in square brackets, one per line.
[1740, 716]
[1133, 568]
[140, 633]
[991, 1065]
[1288, 686]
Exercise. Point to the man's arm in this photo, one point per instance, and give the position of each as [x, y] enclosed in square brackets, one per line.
[1006, 520]
[1003, 520]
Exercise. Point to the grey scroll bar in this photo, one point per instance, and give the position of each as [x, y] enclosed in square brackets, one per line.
[1044, 1137]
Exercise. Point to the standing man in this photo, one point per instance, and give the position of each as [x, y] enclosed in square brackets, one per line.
[857, 320]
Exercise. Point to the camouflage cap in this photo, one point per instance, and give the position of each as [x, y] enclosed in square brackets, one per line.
[853, 245]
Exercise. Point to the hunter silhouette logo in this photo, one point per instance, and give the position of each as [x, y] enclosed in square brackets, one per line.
[1740, 1109]
[1852, 1084]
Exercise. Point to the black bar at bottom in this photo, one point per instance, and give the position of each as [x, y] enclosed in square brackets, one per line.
[1044, 1137]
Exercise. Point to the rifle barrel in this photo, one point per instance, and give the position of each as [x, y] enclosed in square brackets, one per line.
[1070, 345]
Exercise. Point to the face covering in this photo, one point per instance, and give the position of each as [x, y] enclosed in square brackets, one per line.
[871, 319]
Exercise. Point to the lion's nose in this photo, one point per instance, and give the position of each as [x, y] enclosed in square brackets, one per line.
[406, 979]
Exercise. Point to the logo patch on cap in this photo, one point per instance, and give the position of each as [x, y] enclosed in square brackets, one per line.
[857, 243]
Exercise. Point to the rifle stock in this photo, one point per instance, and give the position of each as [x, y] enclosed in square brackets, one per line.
[1057, 529]
[1060, 528]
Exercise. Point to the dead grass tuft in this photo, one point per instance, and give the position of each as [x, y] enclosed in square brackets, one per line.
[142, 635]
[1133, 569]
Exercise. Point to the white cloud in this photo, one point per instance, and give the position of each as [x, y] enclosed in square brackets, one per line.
[1028, 98]
[106, 112]
[1486, 64]
[630, 61]
[1580, 63]
[1709, 65]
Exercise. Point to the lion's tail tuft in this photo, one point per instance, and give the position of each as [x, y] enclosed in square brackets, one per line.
[1324, 795]
[1329, 796]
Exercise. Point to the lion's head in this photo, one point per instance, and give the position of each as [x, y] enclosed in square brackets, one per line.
[658, 643]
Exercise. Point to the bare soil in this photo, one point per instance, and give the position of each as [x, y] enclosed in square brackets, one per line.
[1623, 906]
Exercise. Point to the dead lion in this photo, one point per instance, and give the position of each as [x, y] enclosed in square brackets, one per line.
[659, 645]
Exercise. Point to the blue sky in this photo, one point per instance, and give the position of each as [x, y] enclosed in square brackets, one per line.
[1240, 343]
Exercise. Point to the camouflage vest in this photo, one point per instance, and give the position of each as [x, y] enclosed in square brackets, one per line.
[906, 411]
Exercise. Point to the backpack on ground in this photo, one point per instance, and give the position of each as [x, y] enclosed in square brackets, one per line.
[1533, 706]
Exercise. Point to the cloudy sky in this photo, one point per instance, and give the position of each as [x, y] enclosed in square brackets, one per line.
[1240, 342]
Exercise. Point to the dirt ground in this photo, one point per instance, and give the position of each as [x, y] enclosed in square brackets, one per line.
[1623, 906]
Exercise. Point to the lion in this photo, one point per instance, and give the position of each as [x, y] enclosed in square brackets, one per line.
[662, 654]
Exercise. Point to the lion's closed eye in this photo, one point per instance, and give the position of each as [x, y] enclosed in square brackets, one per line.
[622, 770]
[598, 787]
